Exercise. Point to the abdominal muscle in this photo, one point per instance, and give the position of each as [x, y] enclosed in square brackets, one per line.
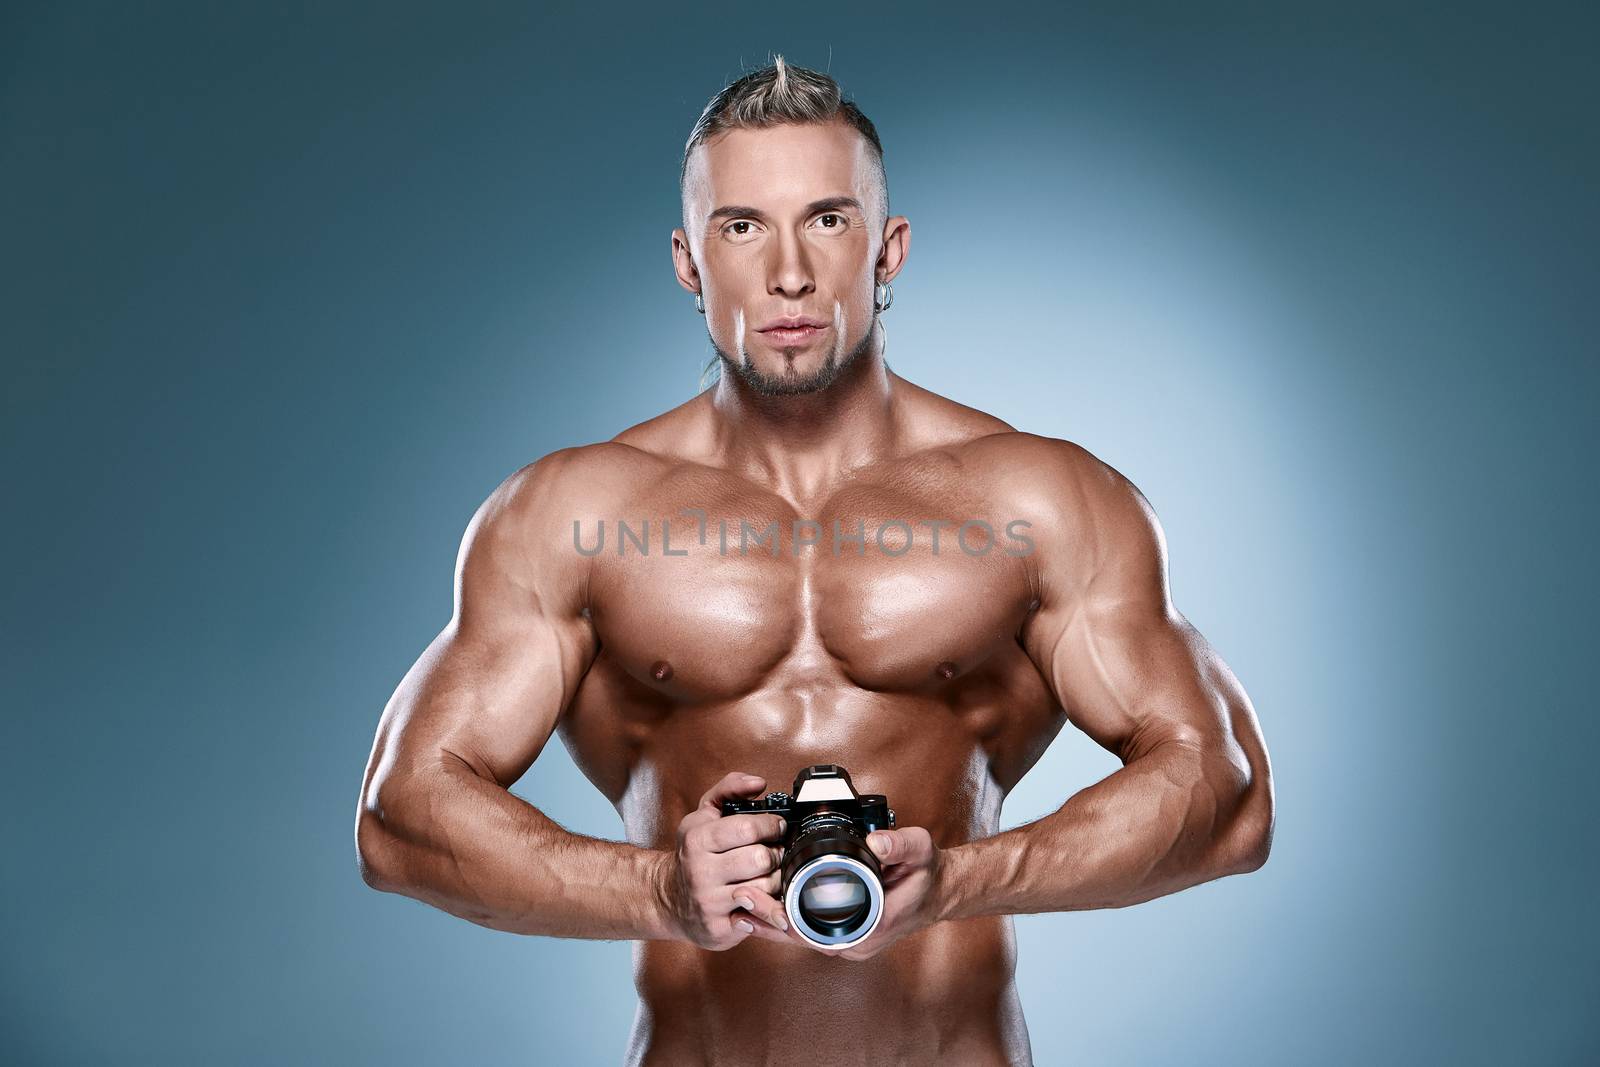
[944, 995]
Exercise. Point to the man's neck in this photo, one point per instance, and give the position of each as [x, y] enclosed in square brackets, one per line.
[798, 445]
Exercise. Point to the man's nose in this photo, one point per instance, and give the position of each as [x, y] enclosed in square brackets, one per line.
[789, 272]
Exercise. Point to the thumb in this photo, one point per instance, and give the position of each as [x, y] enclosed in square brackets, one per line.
[881, 843]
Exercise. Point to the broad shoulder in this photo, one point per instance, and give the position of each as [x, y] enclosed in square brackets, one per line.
[1043, 474]
[518, 550]
[1087, 516]
[582, 476]
[530, 515]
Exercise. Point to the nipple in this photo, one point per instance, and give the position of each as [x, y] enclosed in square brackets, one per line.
[946, 670]
[1033, 605]
[662, 670]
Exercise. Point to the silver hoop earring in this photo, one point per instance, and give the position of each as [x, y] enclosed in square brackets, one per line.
[700, 303]
[888, 297]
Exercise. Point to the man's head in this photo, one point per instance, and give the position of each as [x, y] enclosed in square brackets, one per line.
[786, 215]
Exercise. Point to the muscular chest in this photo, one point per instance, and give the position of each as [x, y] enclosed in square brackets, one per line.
[886, 587]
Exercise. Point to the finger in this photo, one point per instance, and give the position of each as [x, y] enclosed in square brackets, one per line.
[748, 862]
[767, 933]
[731, 831]
[761, 905]
[770, 884]
[913, 844]
[742, 929]
[764, 932]
[792, 936]
[732, 784]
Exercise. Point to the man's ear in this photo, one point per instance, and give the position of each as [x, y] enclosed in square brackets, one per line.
[896, 246]
[683, 261]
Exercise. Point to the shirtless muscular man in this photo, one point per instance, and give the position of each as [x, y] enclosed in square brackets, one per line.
[813, 561]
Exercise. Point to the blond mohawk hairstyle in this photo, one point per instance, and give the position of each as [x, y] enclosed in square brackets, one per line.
[777, 95]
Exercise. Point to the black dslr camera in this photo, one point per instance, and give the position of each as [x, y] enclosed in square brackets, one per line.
[832, 889]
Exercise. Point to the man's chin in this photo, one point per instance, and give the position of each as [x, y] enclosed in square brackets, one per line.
[789, 379]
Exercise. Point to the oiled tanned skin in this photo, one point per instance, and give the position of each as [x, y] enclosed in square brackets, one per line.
[935, 677]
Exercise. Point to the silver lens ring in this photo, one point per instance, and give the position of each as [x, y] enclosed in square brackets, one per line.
[821, 865]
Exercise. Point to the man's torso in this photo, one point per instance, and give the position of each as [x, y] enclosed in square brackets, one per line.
[896, 660]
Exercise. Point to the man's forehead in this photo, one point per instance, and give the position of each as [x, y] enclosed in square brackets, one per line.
[777, 165]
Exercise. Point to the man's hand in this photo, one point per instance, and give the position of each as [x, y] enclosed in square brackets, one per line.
[720, 865]
[911, 881]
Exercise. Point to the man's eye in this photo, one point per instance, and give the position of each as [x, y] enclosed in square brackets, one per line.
[740, 222]
[831, 215]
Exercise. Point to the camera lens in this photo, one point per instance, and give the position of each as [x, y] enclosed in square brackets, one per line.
[834, 898]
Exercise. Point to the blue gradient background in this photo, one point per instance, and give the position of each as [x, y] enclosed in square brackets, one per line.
[288, 291]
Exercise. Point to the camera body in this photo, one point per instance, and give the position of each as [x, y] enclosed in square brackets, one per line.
[832, 885]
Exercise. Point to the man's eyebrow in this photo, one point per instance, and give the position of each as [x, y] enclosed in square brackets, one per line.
[831, 203]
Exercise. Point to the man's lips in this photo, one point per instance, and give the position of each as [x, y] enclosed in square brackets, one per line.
[791, 336]
[792, 322]
[793, 329]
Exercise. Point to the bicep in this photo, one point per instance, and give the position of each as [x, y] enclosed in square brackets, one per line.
[487, 696]
[490, 688]
[1134, 676]
[1128, 669]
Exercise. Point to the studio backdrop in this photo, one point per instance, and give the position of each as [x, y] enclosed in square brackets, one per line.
[288, 289]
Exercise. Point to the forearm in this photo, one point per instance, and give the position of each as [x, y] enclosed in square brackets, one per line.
[1171, 819]
[465, 845]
